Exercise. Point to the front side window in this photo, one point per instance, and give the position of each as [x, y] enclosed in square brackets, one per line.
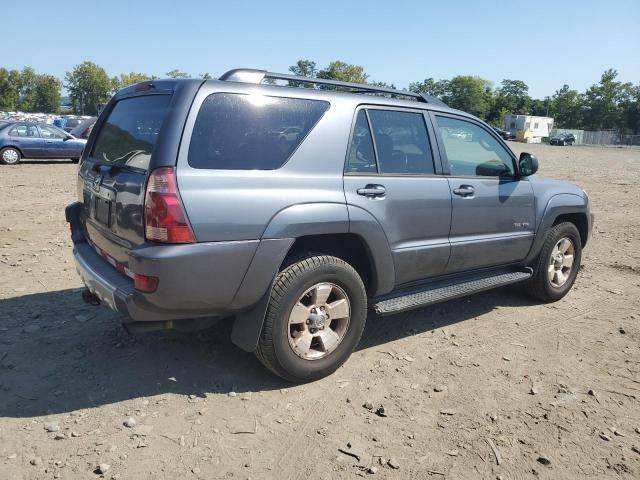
[24, 131]
[51, 132]
[251, 132]
[472, 151]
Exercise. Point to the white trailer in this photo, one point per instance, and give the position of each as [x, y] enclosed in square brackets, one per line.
[528, 128]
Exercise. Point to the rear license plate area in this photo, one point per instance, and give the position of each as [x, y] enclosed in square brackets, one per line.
[102, 211]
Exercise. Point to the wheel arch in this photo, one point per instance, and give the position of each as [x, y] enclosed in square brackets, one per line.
[14, 147]
[559, 208]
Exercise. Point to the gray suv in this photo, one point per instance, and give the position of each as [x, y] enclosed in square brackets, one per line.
[291, 211]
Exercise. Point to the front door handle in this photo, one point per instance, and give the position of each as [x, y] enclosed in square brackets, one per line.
[464, 191]
[372, 191]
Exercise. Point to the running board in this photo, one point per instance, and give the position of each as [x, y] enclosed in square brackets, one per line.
[424, 295]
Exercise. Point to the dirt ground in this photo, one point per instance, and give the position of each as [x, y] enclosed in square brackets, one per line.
[493, 386]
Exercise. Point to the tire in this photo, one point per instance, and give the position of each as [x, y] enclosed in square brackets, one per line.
[284, 347]
[10, 156]
[75, 160]
[541, 285]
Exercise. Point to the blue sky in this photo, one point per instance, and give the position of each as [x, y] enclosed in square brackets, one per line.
[545, 43]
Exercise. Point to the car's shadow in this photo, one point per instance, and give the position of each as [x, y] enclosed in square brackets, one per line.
[58, 355]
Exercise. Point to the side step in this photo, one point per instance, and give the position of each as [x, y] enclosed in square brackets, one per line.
[423, 295]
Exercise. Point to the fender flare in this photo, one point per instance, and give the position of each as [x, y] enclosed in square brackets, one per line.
[252, 297]
[559, 204]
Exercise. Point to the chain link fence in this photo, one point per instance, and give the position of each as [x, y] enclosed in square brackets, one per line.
[600, 137]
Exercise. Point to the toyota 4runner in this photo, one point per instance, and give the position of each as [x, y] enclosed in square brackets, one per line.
[292, 211]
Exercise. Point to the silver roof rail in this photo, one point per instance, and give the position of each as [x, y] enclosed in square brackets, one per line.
[249, 75]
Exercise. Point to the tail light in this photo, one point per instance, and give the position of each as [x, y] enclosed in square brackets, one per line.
[164, 217]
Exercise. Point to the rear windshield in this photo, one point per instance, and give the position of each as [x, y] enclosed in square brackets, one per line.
[131, 131]
[251, 132]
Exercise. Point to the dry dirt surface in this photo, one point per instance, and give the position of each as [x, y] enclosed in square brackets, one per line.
[493, 386]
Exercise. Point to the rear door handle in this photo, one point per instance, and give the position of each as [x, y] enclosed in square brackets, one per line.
[464, 191]
[372, 191]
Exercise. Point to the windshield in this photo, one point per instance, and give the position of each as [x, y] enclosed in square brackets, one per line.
[131, 131]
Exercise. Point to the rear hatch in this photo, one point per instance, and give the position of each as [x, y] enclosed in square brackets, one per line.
[112, 176]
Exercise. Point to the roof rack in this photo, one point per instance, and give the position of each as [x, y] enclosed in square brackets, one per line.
[249, 75]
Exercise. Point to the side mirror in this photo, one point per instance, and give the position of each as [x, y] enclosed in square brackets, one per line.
[528, 164]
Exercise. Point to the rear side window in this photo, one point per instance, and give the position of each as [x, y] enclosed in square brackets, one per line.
[24, 131]
[362, 157]
[131, 131]
[250, 132]
[401, 144]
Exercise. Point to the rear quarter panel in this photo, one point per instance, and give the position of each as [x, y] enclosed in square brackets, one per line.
[224, 205]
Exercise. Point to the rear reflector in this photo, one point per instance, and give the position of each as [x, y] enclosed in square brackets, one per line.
[164, 217]
[145, 283]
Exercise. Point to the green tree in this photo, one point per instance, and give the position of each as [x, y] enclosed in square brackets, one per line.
[126, 79]
[384, 85]
[9, 89]
[89, 88]
[175, 73]
[304, 68]
[511, 97]
[631, 109]
[26, 90]
[344, 72]
[206, 76]
[603, 101]
[469, 93]
[429, 86]
[566, 108]
[46, 98]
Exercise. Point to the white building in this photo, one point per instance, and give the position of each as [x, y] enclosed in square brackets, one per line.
[528, 128]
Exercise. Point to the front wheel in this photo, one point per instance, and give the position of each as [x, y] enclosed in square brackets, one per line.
[557, 264]
[315, 318]
[10, 156]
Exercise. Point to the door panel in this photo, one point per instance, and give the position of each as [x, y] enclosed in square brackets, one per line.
[391, 174]
[493, 210]
[415, 214]
[493, 226]
[54, 145]
[27, 138]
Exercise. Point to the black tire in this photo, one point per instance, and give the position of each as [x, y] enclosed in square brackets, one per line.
[16, 154]
[274, 350]
[539, 285]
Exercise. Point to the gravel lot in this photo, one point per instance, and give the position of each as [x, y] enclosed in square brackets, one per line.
[493, 386]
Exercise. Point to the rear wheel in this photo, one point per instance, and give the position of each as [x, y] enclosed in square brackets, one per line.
[10, 156]
[557, 265]
[316, 315]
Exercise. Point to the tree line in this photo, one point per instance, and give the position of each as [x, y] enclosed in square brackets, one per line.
[607, 104]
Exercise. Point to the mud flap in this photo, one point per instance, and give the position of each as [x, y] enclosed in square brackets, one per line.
[247, 325]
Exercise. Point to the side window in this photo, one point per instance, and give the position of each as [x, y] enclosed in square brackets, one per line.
[402, 143]
[251, 132]
[51, 132]
[24, 131]
[471, 150]
[361, 154]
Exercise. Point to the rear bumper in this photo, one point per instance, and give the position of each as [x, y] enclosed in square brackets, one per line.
[195, 280]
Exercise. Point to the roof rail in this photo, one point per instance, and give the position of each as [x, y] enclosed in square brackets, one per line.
[249, 75]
